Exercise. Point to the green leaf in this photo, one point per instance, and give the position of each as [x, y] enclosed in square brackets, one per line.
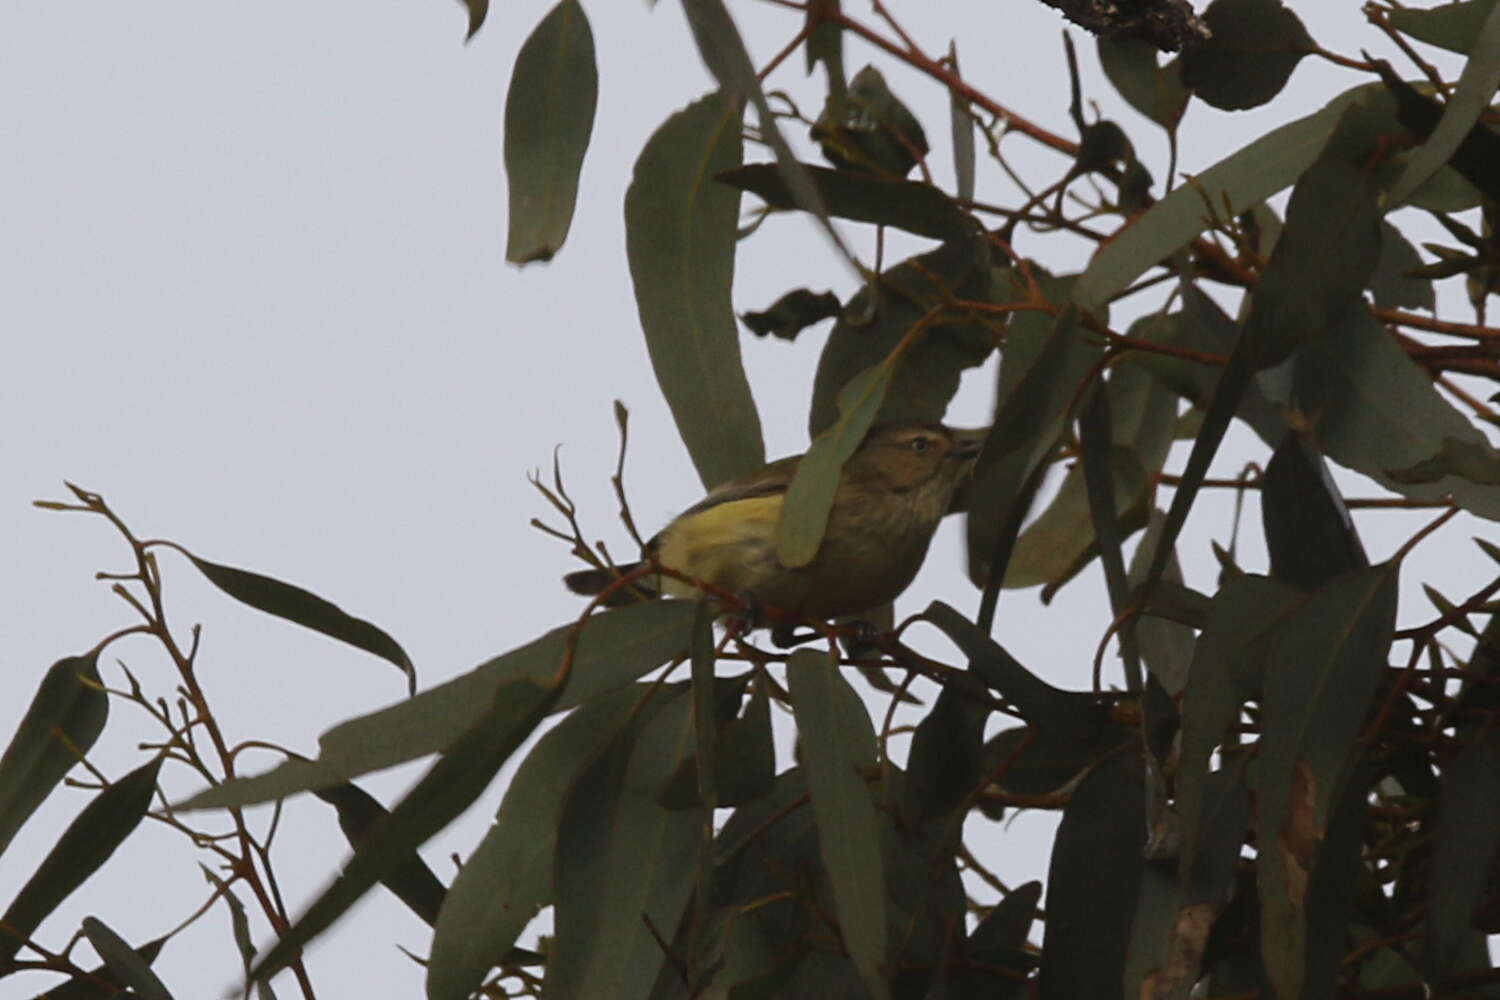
[614, 648]
[792, 313]
[877, 319]
[508, 878]
[1000, 937]
[1374, 411]
[961, 124]
[1243, 179]
[680, 239]
[1453, 26]
[825, 44]
[1166, 644]
[408, 878]
[1092, 882]
[809, 497]
[1060, 542]
[82, 849]
[1038, 702]
[478, 9]
[867, 129]
[1255, 46]
[1025, 430]
[1326, 660]
[284, 600]
[946, 759]
[450, 785]
[1317, 272]
[1229, 664]
[94, 987]
[744, 760]
[1155, 91]
[911, 206]
[724, 54]
[124, 961]
[549, 115]
[623, 861]
[1327, 250]
[1309, 534]
[69, 707]
[1476, 87]
[239, 928]
[1389, 284]
[1468, 836]
[837, 741]
[1472, 460]
[1202, 326]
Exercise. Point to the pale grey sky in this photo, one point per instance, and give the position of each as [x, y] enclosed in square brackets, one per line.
[253, 290]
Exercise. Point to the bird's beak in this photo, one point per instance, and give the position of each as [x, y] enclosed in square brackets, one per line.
[965, 449]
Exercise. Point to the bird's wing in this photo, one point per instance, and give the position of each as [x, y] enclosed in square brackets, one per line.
[769, 481]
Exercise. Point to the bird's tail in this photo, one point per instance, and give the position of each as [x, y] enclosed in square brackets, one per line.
[589, 582]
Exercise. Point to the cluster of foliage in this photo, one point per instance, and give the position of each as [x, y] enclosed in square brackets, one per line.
[1286, 796]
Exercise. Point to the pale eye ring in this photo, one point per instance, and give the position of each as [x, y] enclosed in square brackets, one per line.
[920, 444]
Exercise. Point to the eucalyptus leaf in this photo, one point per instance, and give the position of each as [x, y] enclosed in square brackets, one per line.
[624, 863]
[549, 116]
[680, 241]
[82, 849]
[65, 717]
[614, 648]
[288, 601]
[837, 741]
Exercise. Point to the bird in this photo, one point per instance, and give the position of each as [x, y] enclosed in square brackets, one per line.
[892, 493]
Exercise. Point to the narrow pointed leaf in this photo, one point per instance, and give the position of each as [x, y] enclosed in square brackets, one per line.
[285, 600]
[724, 53]
[124, 961]
[1309, 533]
[837, 741]
[680, 239]
[809, 497]
[882, 313]
[1027, 425]
[408, 878]
[1245, 178]
[92, 988]
[549, 116]
[912, 206]
[623, 861]
[1468, 836]
[1092, 882]
[84, 846]
[1229, 664]
[1476, 88]
[1325, 663]
[478, 10]
[1454, 26]
[68, 705]
[1376, 412]
[1389, 285]
[447, 789]
[1316, 274]
[615, 647]
[962, 124]
[508, 878]
[239, 928]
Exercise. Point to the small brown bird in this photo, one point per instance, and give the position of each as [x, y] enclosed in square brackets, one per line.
[892, 493]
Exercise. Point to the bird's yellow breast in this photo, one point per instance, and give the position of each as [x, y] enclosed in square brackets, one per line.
[731, 545]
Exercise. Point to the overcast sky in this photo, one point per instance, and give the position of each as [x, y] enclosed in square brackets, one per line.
[253, 290]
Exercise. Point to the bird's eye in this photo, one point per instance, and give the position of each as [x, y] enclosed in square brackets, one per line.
[920, 445]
